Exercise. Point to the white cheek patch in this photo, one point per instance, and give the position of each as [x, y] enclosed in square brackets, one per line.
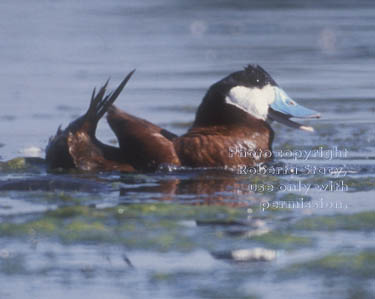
[254, 101]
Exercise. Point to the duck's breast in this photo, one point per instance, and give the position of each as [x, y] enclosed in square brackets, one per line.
[223, 147]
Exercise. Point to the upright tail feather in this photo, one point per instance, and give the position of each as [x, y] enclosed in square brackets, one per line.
[100, 102]
[79, 135]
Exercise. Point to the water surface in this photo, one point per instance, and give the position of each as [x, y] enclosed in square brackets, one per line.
[169, 234]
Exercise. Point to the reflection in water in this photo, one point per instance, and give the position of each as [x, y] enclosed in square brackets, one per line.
[199, 189]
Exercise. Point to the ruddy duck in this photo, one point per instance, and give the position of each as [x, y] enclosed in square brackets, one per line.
[234, 113]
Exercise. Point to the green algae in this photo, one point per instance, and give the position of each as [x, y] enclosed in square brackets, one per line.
[14, 164]
[22, 164]
[359, 221]
[294, 197]
[156, 226]
[84, 231]
[281, 240]
[177, 211]
[73, 211]
[83, 227]
[361, 264]
[44, 225]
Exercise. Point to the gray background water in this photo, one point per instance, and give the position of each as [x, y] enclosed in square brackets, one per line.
[52, 54]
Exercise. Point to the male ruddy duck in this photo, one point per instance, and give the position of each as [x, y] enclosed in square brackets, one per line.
[234, 113]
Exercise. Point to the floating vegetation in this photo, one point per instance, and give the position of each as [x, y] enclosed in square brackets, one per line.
[158, 224]
[293, 197]
[363, 221]
[281, 240]
[361, 264]
[22, 165]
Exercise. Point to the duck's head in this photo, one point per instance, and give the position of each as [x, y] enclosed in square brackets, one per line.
[250, 94]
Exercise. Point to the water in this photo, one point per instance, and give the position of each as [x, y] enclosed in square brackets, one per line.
[170, 234]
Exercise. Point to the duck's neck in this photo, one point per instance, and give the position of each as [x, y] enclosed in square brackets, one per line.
[225, 115]
[231, 121]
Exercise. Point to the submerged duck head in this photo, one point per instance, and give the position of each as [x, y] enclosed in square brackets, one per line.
[247, 96]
